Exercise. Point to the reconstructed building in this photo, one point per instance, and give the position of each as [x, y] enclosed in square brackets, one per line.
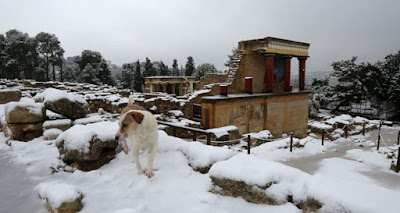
[177, 85]
[260, 95]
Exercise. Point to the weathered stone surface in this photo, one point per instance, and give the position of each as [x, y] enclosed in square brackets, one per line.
[67, 207]
[62, 124]
[100, 153]
[51, 134]
[23, 132]
[24, 113]
[9, 95]
[71, 109]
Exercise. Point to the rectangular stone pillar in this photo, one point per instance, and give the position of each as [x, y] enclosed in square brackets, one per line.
[269, 73]
[302, 72]
[164, 88]
[286, 80]
[173, 88]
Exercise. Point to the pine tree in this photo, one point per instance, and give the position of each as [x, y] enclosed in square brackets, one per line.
[175, 69]
[189, 66]
[203, 69]
[149, 69]
[127, 74]
[164, 71]
[89, 75]
[138, 80]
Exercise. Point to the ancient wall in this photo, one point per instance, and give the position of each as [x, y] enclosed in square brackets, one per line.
[211, 78]
[287, 113]
[280, 114]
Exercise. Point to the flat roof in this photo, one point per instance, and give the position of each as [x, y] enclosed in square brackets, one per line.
[181, 77]
[231, 97]
[277, 39]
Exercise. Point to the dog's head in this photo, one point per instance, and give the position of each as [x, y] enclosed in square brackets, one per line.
[129, 122]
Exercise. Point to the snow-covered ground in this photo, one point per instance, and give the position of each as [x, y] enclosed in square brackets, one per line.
[342, 174]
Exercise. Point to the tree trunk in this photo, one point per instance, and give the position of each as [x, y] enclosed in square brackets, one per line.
[54, 72]
[61, 72]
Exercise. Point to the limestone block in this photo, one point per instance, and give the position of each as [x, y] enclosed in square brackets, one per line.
[23, 132]
[9, 95]
[23, 113]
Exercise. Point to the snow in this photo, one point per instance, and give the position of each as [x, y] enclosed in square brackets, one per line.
[52, 115]
[57, 193]
[153, 108]
[78, 136]
[343, 119]
[90, 119]
[219, 132]
[176, 113]
[264, 134]
[34, 108]
[51, 95]
[320, 125]
[56, 122]
[50, 132]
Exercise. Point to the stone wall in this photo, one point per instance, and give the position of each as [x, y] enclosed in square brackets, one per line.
[280, 114]
[211, 78]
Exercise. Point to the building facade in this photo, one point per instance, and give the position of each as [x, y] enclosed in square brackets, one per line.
[176, 85]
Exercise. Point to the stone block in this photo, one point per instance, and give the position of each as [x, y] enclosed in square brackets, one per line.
[24, 113]
[9, 95]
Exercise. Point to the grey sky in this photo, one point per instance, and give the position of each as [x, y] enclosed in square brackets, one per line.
[124, 31]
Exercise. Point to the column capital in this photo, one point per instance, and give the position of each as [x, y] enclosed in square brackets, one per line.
[287, 56]
[302, 58]
[269, 55]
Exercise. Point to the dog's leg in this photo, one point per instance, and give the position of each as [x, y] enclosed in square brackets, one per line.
[125, 146]
[149, 169]
[135, 152]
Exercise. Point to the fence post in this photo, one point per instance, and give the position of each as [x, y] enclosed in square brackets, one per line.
[291, 141]
[345, 131]
[398, 161]
[208, 138]
[194, 136]
[379, 139]
[248, 144]
[363, 128]
[398, 138]
[174, 131]
[323, 136]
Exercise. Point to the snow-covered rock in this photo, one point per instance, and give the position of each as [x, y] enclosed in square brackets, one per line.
[62, 124]
[23, 113]
[89, 146]
[51, 134]
[60, 197]
[71, 105]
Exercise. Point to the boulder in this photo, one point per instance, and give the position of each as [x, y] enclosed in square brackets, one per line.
[71, 105]
[51, 134]
[9, 95]
[88, 147]
[60, 197]
[23, 132]
[24, 113]
[62, 124]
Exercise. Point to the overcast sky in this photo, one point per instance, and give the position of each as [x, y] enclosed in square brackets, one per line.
[124, 31]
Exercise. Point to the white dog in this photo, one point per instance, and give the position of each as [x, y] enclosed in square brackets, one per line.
[140, 128]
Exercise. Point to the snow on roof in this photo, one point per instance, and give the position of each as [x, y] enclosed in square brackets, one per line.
[57, 193]
[78, 136]
[51, 94]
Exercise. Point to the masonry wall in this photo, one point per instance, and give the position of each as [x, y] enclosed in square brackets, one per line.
[279, 114]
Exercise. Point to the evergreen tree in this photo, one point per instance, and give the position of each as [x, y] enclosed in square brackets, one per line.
[127, 75]
[203, 69]
[149, 69]
[175, 69]
[50, 52]
[189, 66]
[164, 71]
[89, 75]
[138, 80]
[98, 63]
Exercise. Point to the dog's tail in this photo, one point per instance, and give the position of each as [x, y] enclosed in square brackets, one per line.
[131, 101]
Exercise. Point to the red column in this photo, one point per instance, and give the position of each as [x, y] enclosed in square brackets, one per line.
[286, 79]
[302, 73]
[164, 88]
[173, 88]
[269, 73]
